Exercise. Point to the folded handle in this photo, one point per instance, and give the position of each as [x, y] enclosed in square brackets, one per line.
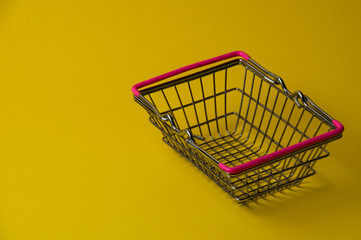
[187, 68]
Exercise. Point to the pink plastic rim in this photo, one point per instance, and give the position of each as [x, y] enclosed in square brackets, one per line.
[245, 166]
[187, 68]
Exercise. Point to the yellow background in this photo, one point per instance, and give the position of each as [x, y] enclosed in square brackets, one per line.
[79, 159]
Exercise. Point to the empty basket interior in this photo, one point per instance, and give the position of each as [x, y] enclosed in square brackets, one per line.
[240, 114]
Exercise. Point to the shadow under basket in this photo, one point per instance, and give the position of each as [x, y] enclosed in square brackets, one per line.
[239, 124]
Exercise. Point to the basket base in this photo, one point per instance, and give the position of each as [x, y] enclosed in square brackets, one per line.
[223, 184]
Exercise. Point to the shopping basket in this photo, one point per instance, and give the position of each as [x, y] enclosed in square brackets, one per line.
[239, 124]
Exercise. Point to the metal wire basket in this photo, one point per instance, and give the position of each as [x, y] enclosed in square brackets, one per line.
[239, 124]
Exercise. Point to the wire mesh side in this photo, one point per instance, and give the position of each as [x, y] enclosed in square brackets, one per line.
[259, 182]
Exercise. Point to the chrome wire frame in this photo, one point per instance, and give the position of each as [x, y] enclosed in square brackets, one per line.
[209, 120]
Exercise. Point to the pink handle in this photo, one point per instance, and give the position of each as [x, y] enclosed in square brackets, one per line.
[339, 129]
[187, 68]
